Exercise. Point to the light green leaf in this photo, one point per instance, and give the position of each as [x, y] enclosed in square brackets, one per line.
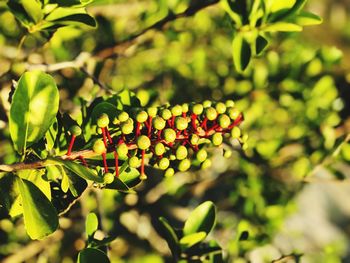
[91, 224]
[64, 182]
[40, 217]
[33, 9]
[68, 14]
[50, 135]
[241, 52]
[33, 109]
[282, 27]
[170, 236]
[92, 255]
[192, 239]
[36, 177]
[202, 218]
[307, 19]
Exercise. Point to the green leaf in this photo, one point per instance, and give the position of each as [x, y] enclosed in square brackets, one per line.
[241, 52]
[129, 176]
[285, 13]
[92, 255]
[103, 107]
[33, 9]
[40, 217]
[202, 218]
[8, 192]
[192, 239]
[170, 236]
[36, 177]
[127, 98]
[261, 44]
[68, 14]
[307, 19]
[33, 109]
[20, 13]
[51, 135]
[91, 224]
[282, 27]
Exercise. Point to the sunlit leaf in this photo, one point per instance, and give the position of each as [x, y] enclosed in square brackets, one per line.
[241, 52]
[307, 19]
[91, 224]
[92, 255]
[192, 239]
[282, 27]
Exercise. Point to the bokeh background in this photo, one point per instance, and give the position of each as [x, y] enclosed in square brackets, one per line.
[290, 190]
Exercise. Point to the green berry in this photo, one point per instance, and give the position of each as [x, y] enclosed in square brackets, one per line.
[99, 147]
[141, 117]
[233, 113]
[152, 111]
[181, 123]
[181, 152]
[166, 114]
[75, 130]
[227, 153]
[201, 155]
[169, 135]
[108, 178]
[172, 157]
[184, 107]
[159, 149]
[220, 107]
[245, 146]
[143, 142]
[158, 123]
[176, 110]
[217, 139]
[206, 164]
[235, 132]
[230, 103]
[211, 113]
[116, 121]
[184, 165]
[134, 162]
[98, 130]
[224, 121]
[143, 176]
[122, 150]
[206, 103]
[194, 139]
[169, 172]
[127, 127]
[103, 120]
[197, 109]
[163, 163]
[123, 116]
[245, 138]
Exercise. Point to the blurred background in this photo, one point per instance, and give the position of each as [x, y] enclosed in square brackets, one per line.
[290, 190]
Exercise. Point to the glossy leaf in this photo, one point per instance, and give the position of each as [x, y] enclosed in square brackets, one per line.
[103, 107]
[40, 217]
[67, 14]
[33, 109]
[202, 218]
[241, 52]
[170, 236]
[81, 170]
[92, 255]
[33, 9]
[307, 19]
[282, 27]
[51, 135]
[192, 239]
[91, 224]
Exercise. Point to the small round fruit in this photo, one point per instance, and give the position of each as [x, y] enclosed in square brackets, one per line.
[220, 107]
[75, 130]
[201, 155]
[134, 162]
[172, 157]
[166, 114]
[184, 107]
[169, 135]
[176, 110]
[211, 113]
[217, 139]
[245, 146]
[184, 165]
[194, 139]
[227, 153]
[245, 138]
[127, 127]
[122, 150]
[159, 149]
[103, 120]
[152, 111]
[99, 147]
[206, 164]
[141, 117]
[143, 142]
[169, 172]
[197, 109]
[235, 132]
[158, 123]
[181, 123]
[163, 163]
[181, 152]
[233, 113]
[206, 103]
[143, 176]
[123, 116]
[224, 121]
[108, 178]
[230, 103]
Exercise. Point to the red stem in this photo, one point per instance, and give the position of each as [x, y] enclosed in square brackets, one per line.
[71, 145]
[109, 136]
[138, 129]
[149, 126]
[143, 163]
[82, 159]
[104, 136]
[105, 162]
[116, 163]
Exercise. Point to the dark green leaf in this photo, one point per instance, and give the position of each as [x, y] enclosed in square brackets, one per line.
[285, 13]
[202, 218]
[20, 13]
[170, 236]
[192, 239]
[241, 52]
[77, 18]
[103, 107]
[92, 255]
[40, 217]
[261, 44]
[51, 135]
[8, 192]
[68, 14]
[33, 109]
[91, 224]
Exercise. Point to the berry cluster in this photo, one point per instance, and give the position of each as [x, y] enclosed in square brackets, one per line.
[170, 138]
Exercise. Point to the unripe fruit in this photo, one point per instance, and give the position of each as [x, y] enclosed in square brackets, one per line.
[245, 138]
[206, 103]
[181, 123]
[103, 120]
[201, 155]
[235, 132]
[206, 164]
[172, 157]
[194, 139]
[181, 152]
[99, 147]
[233, 113]
[143, 142]
[152, 111]
[184, 107]
[224, 121]
[230, 103]
[169, 135]
[211, 113]
[159, 149]
[227, 153]
[158, 123]
[184, 165]
[116, 121]
[217, 139]
[141, 117]
[75, 130]
[123, 116]
[220, 107]
[122, 150]
[166, 114]
[245, 146]
[197, 109]
[169, 172]
[176, 110]
[143, 176]
[163, 163]
[127, 127]
[108, 178]
[98, 130]
[134, 162]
